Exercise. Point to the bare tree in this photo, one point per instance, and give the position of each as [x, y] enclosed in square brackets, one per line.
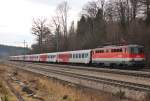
[60, 24]
[134, 8]
[90, 9]
[110, 11]
[72, 37]
[41, 30]
[146, 6]
[102, 6]
[62, 16]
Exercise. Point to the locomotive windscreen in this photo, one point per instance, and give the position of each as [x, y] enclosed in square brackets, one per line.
[136, 50]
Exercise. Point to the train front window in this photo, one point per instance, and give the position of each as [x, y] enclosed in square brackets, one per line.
[137, 50]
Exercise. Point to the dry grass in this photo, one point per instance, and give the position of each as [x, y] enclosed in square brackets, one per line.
[55, 90]
[3, 89]
[62, 92]
[5, 93]
[146, 97]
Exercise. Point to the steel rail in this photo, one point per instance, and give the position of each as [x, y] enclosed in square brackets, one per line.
[142, 74]
[124, 84]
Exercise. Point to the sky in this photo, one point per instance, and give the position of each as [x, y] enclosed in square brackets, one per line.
[16, 17]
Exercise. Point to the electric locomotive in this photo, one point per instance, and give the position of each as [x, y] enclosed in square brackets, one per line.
[124, 55]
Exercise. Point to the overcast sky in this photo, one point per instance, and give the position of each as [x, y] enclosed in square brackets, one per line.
[16, 17]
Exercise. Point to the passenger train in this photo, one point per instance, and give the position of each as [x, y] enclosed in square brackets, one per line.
[113, 56]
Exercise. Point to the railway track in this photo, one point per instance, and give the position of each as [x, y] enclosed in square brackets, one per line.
[105, 73]
[134, 86]
[71, 74]
[137, 73]
[89, 80]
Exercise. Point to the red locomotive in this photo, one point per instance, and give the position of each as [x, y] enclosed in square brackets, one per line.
[128, 55]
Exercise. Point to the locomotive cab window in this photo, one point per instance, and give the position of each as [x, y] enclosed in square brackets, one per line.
[136, 50]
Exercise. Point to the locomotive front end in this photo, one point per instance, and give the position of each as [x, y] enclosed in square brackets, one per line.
[136, 56]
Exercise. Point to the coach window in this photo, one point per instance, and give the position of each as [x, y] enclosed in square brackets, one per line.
[82, 55]
[86, 55]
[76, 55]
[79, 56]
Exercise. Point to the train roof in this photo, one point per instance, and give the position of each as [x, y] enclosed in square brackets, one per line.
[114, 46]
[88, 50]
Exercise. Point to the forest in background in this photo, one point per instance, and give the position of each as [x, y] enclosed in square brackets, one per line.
[101, 22]
[6, 51]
